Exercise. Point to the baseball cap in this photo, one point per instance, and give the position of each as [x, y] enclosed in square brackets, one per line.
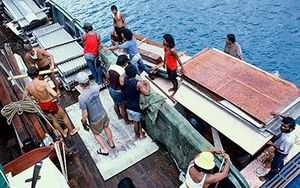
[82, 78]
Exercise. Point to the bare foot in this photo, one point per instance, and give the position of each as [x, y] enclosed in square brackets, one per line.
[65, 133]
[119, 117]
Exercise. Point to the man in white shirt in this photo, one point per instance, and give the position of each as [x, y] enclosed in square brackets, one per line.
[283, 146]
[232, 47]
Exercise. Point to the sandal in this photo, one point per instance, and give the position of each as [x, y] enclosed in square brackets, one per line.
[111, 145]
[101, 153]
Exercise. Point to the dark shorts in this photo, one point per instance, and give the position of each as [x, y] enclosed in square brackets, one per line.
[98, 126]
[47, 67]
[119, 31]
[117, 96]
[172, 74]
[49, 107]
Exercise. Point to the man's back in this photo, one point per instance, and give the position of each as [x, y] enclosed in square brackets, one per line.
[38, 89]
[234, 50]
[90, 100]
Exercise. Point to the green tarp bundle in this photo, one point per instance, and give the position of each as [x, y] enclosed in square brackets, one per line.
[167, 126]
[3, 179]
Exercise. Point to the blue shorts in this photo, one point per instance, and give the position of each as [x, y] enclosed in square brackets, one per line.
[134, 116]
[117, 96]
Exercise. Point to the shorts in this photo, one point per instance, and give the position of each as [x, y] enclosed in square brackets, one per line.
[119, 31]
[47, 67]
[117, 96]
[172, 74]
[98, 126]
[134, 116]
[49, 107]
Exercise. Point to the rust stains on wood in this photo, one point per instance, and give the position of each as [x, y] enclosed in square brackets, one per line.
[253, 90]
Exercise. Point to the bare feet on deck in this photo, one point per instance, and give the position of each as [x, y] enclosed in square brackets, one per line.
[65, 133]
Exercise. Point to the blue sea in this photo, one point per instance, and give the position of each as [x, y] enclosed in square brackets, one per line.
[267, 30]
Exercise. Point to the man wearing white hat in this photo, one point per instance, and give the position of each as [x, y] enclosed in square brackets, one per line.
[199, 173]
[93, 110]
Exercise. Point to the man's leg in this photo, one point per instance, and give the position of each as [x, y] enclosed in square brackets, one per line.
[57, 125]
[52, 77]
[142, 134]
[90, 60]
[109, 136]
[142, 65]
[275, 166]
[123, 112]
[99, 139]
[136, 129]
[66, 120]
[117, 110]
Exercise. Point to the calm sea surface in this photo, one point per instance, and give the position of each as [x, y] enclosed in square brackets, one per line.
[267, 30]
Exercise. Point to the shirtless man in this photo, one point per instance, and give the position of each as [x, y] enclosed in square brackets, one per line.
[119, 22]
[43, 59]
[47, 100]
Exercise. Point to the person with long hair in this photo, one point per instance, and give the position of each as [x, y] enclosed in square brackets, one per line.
[170, 61]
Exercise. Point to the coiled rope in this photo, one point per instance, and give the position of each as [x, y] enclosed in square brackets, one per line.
[9, 111]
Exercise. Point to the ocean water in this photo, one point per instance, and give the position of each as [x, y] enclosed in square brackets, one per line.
[267, 30]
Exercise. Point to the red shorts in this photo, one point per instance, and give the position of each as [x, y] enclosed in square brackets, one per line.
[49, 107]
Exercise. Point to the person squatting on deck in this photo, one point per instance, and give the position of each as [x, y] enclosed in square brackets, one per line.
[114, 74]
[43, 59]
[199, 173]
[119, 23]
[232, 47]
[130, 45]
[170, 61]
[133, 88]
[94, 112]
[282, 145]
[92, 41]
[47, 100]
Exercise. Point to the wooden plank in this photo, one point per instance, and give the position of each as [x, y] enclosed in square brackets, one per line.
[223, 74]
[150, 56]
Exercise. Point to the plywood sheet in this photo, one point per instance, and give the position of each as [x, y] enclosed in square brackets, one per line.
[251, 89]
[128, 150]
[224, 122]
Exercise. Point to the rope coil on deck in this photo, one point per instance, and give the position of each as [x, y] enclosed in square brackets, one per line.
[19, 107]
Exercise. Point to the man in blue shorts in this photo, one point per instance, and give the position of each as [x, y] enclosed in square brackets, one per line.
[133, 88]
[116, 90]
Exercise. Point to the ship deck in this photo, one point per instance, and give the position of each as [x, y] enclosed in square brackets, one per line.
[156, 170]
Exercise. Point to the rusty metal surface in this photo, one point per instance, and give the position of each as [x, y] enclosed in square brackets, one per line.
[249, 88]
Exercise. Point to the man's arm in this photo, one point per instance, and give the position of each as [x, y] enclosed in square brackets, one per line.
[214, 178]
[174, 53]
[121, 79]
[50, 56]
[50, 90]
[25, 94]
[123, 20]
[84, 115]
[144, 87]
[239, 52]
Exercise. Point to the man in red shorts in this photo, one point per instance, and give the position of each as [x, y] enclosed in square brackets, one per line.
[45, 95]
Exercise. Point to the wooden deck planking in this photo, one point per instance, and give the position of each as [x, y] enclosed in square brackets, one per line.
[216, 70]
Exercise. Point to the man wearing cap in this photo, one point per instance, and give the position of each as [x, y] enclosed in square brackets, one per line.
[44, 61]
[199, 173]
[47, 100]
[133, 89]
[282, 145]
[93, 110]
[92, 41]
[115, 74]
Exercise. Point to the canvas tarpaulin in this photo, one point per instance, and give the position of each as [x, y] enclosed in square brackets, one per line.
[167, 126]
